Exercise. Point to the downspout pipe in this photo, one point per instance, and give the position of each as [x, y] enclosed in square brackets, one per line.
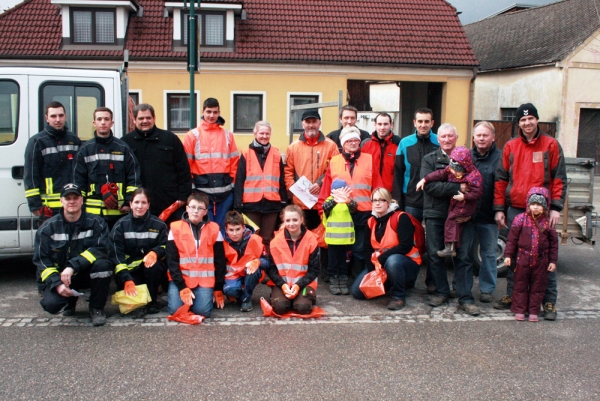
[470, 115]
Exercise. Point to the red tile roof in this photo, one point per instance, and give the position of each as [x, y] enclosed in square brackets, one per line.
[397, 32]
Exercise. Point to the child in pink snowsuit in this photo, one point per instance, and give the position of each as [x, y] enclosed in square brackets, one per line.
[461, 170]
[536, 245]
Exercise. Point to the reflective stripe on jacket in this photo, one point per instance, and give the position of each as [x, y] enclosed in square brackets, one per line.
[237, 267]
[261, 183]
[196, 258]
[390, 238]
[339, 228]
[361, 180]
[292, 268]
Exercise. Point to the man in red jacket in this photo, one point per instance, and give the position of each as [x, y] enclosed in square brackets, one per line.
[532, 159]
[382, 146]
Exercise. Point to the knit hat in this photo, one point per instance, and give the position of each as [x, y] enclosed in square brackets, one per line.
[349, 133]
[337, 184]
[538, 198]
[526, 109]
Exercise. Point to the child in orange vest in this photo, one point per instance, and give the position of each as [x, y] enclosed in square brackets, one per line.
[246, 261]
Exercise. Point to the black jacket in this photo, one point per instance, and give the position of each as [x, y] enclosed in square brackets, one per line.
[165, 171]
[486, 164]
[49, 154]
[264, 205]
[335, 137]
[59, 244]
[436, 199]
[133, 238]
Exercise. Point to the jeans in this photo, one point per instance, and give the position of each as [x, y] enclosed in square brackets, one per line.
[221, 208]
[488, 240]
[552, 288]
[241, 288]
[402, 273]
[463, 267]
[360, 236]
[202, 304]
[415, 212]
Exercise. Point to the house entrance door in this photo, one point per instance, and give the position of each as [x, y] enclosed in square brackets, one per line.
[588, 142]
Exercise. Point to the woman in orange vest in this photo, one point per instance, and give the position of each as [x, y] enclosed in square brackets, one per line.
[260, 191]
[293, 265]
[196, 260]
[393, 247]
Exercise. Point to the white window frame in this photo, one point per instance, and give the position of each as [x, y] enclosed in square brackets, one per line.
[175, 92]
[232, 108]
[289, 103]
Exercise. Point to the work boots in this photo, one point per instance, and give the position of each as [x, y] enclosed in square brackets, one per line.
[334, 285]
[343, 285]
[447, 251]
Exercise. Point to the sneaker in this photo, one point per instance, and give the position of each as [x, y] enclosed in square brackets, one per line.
[485, 298]
[519, 316]
[504, 303]
[533, 318]
[98, 317]
[469, 309]
[334, 285]
[343, 285]
[138, 313]
[247, 306]
[447, 251]
[396, 304]
[549, 311]
[69, 311]
[153, 308]
[437, 300]
[453, 293]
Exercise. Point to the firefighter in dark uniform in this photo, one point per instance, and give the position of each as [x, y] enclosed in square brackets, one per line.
[49, 161]
[106, 170]
[137, 249]
[70, 253]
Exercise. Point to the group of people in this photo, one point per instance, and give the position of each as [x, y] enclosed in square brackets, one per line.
[98, 204]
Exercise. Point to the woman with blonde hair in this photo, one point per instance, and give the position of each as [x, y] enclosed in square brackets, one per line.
[393, 249]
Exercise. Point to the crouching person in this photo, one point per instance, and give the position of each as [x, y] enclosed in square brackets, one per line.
[137, 250]
[246, 260]
[70, 253]
[294, 265]
[195, 260]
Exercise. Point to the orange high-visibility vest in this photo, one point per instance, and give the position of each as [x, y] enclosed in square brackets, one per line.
[293, 267]
[196, 258]
[262, 183]
[361, 181]
[237, 267]
[390, 238]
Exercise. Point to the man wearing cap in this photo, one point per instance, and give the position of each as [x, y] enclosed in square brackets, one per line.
[532, 159]
[309, 156]
[382, 146]
[70, 253]
[348, 117]
[359, 172]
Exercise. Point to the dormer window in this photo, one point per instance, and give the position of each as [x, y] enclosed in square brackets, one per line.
[211, 28]
[93, 25]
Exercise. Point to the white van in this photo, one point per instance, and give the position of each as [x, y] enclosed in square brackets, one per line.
[24, 93]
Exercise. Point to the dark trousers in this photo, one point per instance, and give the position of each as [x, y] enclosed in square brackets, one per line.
[302, 304]
[312, 221]
[337, 260]
[97, 278]
[463, 267]
[266, 223]
[529, 289]
[151, 276]
[552, 286]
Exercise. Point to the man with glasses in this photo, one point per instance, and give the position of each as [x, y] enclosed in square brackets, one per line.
[196, 260]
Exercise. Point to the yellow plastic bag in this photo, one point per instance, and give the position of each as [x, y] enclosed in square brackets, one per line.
[250, 223]
[129, 304]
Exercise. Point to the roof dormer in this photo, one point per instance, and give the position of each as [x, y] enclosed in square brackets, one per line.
[95, 24]
[216, 25]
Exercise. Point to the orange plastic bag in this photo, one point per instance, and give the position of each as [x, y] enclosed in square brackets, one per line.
[320, 233]
[268, 311]
[169, 210]
[183, 315]
[372, 284]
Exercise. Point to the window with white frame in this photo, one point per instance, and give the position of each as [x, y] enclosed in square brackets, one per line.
[296, 100]
[247, 110]
[93, 26]
[211, 28]
[178, 111]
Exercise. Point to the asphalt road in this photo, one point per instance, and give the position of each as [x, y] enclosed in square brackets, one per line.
[359, 351]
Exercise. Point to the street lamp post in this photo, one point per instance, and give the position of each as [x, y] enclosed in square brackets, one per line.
[193, 59]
